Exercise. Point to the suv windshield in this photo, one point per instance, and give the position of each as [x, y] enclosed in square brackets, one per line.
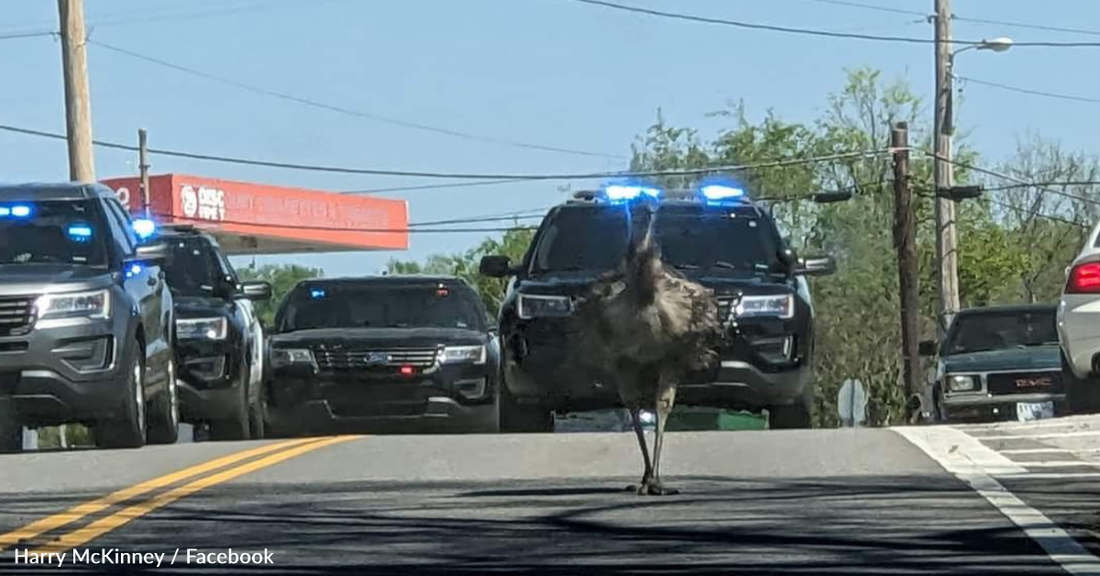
[193, 269]
[364, 306]
[691, 237]
[999, 330]
[53, 232]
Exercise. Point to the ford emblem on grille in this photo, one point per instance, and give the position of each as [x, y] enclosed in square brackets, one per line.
[1033, 382]
[376, 358]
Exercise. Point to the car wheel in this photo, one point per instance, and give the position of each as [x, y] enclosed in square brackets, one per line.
[236, 426]
[519, 418]
[128, 429]
[1082, 394]
[792, 417]
[257, 414]
[11, 429]
[164, 412]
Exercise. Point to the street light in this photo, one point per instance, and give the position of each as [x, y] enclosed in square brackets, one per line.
[943, 170]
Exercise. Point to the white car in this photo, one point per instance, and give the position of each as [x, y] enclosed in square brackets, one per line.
[1079, 328]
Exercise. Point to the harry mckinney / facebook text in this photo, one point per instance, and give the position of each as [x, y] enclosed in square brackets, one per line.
[108, 556]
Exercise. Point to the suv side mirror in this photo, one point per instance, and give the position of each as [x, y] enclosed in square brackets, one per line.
[256, 291]
[816, 266]
[152, 252]
[495, 266]
[927, 348]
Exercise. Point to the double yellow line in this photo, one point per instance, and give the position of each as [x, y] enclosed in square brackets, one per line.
[276, 453]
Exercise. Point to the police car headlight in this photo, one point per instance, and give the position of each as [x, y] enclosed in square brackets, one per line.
[962, 383]
[462, 354]
[288, 356]
[202, 328]
[773, 306]
[531, 306]
[96, 304]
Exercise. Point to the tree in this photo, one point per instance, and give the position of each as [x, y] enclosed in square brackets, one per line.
[512, 244]
[282, 278]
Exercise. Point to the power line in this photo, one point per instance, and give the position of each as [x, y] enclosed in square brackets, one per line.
[1038, 214]
[522, 215]
[815, 32]
[1011, 178]
[348, 111]
[462, 175]
[871, 7]
[1031, 26]
[18, 35]
[960, 18]
[434, 186]
[1044, 184]
[1030, 91]
[1006, 205]
[407, 230]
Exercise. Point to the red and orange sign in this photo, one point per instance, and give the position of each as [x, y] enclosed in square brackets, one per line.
[339, 221]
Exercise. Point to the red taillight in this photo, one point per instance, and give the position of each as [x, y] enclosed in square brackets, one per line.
[1084, 279]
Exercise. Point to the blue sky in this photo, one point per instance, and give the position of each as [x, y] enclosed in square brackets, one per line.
[550, 72]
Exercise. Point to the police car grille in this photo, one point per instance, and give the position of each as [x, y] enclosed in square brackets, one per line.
[357, 359]
[15, 315]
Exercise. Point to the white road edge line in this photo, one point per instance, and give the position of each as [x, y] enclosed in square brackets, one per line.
[1040, 451]
[1034, 436]
[970, 461]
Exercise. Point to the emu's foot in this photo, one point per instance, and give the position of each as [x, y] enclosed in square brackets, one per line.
[651, 487]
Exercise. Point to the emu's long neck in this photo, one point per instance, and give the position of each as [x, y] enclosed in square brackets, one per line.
[642, 258]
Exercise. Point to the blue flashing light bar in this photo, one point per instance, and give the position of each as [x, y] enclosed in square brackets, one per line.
[80, 232]
[144, 228]
[317, 293]
[719, 192]
[16, 211]
[627, 192]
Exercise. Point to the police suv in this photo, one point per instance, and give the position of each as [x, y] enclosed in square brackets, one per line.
[714, 235]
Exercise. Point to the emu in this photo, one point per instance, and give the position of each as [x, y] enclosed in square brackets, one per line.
[643, 328]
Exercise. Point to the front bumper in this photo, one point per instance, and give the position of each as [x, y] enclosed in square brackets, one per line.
[434, 399]
[208, 373]
[546, 375]
[65, 370]
[986, 408]
[1079, 332]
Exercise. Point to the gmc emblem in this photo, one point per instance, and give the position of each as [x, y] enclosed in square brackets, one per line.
[1041, 382]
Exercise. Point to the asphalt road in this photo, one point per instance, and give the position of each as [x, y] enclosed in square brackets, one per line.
[797, 502]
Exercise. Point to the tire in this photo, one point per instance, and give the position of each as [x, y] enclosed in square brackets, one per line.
[164, 412]
[1082, 395]
[793, 417]
[516, 418]
[11, 429]
[238, 425]
[128, 429]
[257, 414]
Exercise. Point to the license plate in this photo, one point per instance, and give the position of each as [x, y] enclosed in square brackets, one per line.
[1029, 411]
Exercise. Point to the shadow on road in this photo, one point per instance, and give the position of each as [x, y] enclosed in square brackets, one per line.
[815, 526]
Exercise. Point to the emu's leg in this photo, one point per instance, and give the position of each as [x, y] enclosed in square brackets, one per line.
[666, 398]
[647, 474]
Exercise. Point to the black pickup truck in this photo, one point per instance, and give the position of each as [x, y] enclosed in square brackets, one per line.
[85, 318]
[715, 236]
[383, 354]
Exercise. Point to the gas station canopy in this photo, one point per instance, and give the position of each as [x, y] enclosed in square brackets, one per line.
[262, 219]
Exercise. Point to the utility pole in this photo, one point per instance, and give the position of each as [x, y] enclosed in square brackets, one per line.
[143, 166]
[943, 173]
[78, 111]
[905, 241]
